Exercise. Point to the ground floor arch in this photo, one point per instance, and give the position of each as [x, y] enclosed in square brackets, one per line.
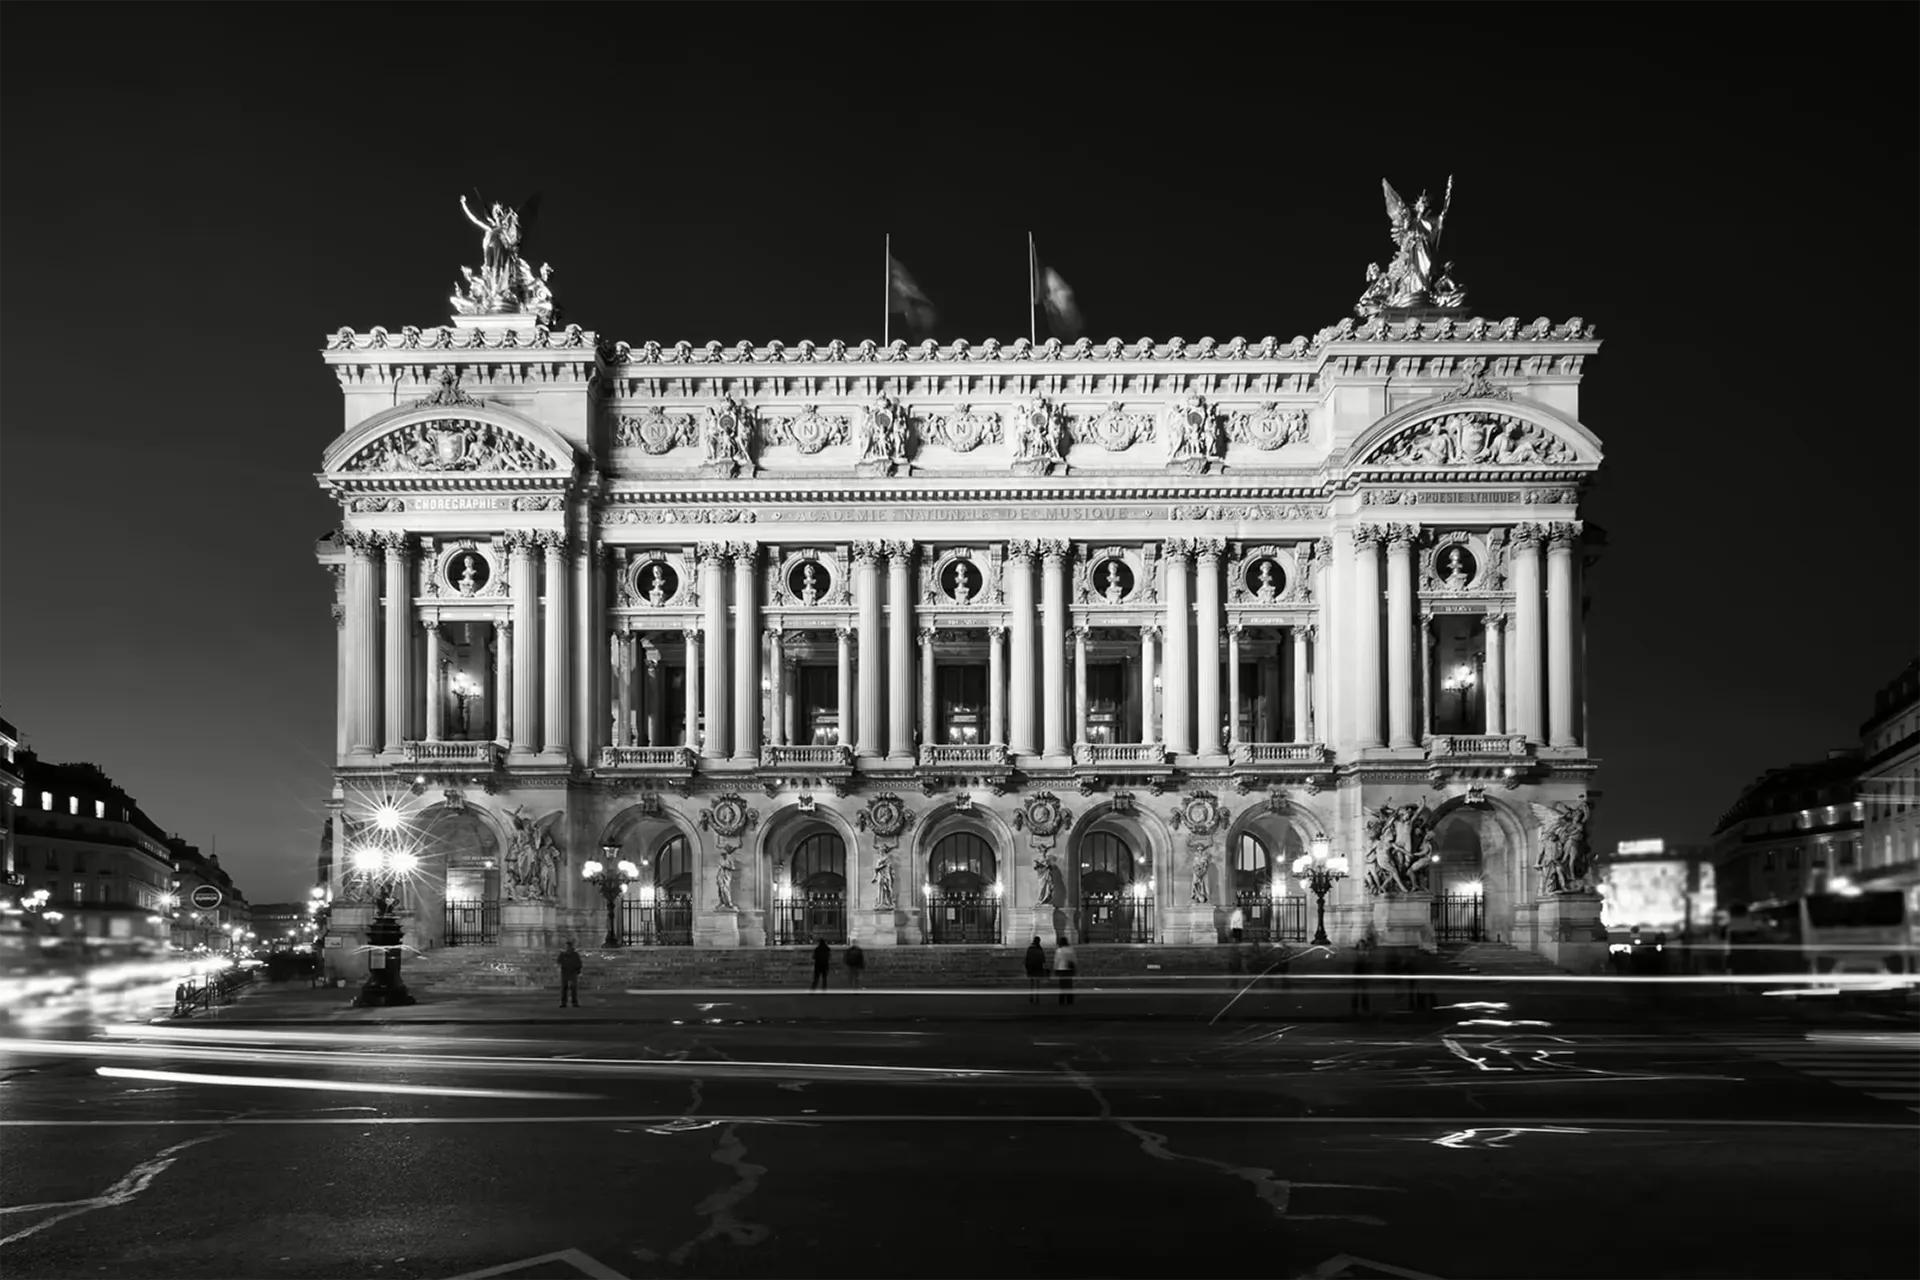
[1480, 877]
[658, 908]
[1111, 882]
[812, 864]
[456, 893]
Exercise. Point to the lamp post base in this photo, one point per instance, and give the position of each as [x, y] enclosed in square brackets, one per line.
[1320, 926]
[383, 986]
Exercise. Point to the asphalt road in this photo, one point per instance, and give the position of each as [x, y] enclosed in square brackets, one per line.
[1466, 1141]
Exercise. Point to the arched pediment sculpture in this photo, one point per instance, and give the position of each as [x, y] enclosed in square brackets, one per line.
[1477, 433]
[430, 439]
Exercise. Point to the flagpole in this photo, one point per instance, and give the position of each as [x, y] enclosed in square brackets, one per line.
[886, 313]
[1033, 326]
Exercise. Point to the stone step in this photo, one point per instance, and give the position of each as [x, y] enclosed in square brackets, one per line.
[1498, 958]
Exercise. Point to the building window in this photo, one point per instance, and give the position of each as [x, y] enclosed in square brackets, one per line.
[46, 801]
[73, 805]
[19, 796]
[963, 863]
[99, 808]
[79, 891]
[819, 865]
[1106, 863]
[673, 868]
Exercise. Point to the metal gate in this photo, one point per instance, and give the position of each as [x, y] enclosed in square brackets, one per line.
[1457, 918]
[473, 923]
[1271, 919]
[816, 916]
[963, 917]
[1115, 917]
[664, 922]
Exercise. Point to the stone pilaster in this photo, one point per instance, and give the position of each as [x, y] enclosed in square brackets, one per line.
[996, 686]
[690, 731]
[526, 642]
[746, 651]
[1528, 606]
[1302, 687]
[900, 650]
[1494, 697]
[843, 702]
[399, 656]
[1400, 637]
[363, 643]
[1365, 652]
[1018, 571]
[713, 599]
[436, 690]
[1149, 722]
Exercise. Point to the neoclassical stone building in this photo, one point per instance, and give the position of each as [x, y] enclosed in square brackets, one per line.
[942, 644]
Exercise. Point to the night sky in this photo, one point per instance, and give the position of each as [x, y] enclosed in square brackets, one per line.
[194, 197]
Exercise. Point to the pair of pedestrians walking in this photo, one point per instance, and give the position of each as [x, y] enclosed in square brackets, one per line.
[1065, 965]
[823, 963]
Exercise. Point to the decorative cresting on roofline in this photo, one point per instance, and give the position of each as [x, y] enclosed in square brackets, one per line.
[439, 441]
[960, 351]
[1478, 432]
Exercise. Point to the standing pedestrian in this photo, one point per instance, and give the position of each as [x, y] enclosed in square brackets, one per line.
[1036, 969]
[1064, 967]
[1237, 923]
[822, 957]
[569, 975]
[1362, 967]
[856, 961]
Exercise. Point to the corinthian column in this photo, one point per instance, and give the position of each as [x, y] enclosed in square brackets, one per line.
[1321, 631]
[1365, 678]
[1400, 636]
[1079, 684]
[1563, 616]
[526, 642]
[900, 650]
[1494, 697]
[996, 686]
[1149, 729]
[1206, 575]
[843, 700]
[653, 695]
[1302, 690]
[746, 651]
[1053, 647]
[436, 684]
[694, 688]
[363, 644]
[927, 731]
[1426, 678]
[586, 659]
[1019, 575]
[555, 647]
[622, 655]
[399, 664]
[1233, 686]
[1528, 719]
[866, 586]
[342, 680]
[713, 600]
[503, 681]
[1179, 665]
[777, 692]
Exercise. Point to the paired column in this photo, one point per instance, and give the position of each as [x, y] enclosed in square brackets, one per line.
[1400, 734]
[1563, 615]
[746, 652]
[1528, 711]
[1149, 722]
[691, 731]
[1426, 678]
[363, 642]
[1366, 640]
[1206, 574]
[1079, 684]
[342, 681]
[586, 673]
[1053, 646]
[928, 731]
[996, 686]
[1495, 695]
[1021, 739]
[436, 684]
[776, 687]
[1318, 633]
[526, 643]
[900, 649]
[866, 579]
[652, 692]
[1233, 685]
[1302, 687]
[713, 600]
[399, 664]
[843, 703]
[503, 681]
[1179, 720]
[555, 542]
[623, 688]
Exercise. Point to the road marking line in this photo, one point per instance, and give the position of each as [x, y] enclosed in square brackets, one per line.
[121, 1192]
[334, 1086]
[583, 1263]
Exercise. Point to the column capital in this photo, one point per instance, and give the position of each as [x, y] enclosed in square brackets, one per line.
[1495, 618]
[1528, 536]
[514, 541]
[844, 633]
[503, 626]
[690, 634]
[927, 635]
[1209, 550]
[866, 553]
[1368, 536]
[1426, 622]
[706, 553]
[1322, 553]
[1311, 631]
[1401, 537]
[1179, 548]
[1053, 550]
[1080, 633]
[899, 551]
[996, 633]
[397, 544]
[553, 541]
[1151, 631]
[1236, 629]
[601, 554]
[1023, 549]
[431, 624]
[1562, 534]
[360, 542]
[744, 553]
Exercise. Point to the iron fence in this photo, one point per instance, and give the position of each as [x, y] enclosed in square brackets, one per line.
[1115, 917]
[1457, 918]
[963, 918]
[209, 991]
[473, 923]
[1270, 919]
[808, 919]
[664, 922]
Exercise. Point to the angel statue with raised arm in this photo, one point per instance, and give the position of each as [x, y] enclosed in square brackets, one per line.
[1565, 853]
[1411, 278]
[533, 856]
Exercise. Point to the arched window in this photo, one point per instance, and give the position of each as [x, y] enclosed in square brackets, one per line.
[963, 863]
[819, 865]
[1106, 863]
[673, 868]
[1252, 866]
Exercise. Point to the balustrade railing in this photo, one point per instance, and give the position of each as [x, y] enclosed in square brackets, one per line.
[939, 753]
[646, 757]
[1482, 744]
[963, 918]
[1120, 753]
[482, 753]
[1280, 753]
[663, 922]
[832, 755]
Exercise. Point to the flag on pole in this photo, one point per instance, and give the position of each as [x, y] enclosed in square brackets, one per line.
[1048, 290]
[905, 299]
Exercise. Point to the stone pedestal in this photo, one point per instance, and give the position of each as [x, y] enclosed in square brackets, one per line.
[1190, 925]
[1570, 933]
[718, 928]
[1028, 921]
[1404, 920]
[879, 927]
[532, 926]
[753, 928]
[346, 958]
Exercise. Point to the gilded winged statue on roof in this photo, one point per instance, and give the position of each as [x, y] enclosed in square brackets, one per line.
[1410, 278]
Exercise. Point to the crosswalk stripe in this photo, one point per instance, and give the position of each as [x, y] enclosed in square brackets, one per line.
[1887, 1070]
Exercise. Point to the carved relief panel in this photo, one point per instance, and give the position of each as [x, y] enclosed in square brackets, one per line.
[1269, 427]
[1114, 428]
[1114, 575]
[1271, 573]
[655, 430]
[1462, 563]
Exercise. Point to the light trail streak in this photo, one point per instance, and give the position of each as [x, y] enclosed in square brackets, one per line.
[1623, 1124]
[334, 1086]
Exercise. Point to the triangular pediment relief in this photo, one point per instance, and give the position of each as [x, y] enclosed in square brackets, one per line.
[449, 439]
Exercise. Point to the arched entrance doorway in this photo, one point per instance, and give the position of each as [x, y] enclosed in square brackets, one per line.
[1116, 902]
[810, 898]
[1261, 885]
[658, 911]
[1473, 893]
[459, 845]
[963, 904]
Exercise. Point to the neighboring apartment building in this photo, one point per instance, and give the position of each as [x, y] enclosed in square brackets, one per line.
[1792, 830]
[1890, 778]
[102, 863]
[12, 794]
[210, 906]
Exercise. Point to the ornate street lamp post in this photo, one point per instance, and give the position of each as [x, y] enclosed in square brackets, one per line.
[1320, 870]
[384, 867]
[612, 880]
